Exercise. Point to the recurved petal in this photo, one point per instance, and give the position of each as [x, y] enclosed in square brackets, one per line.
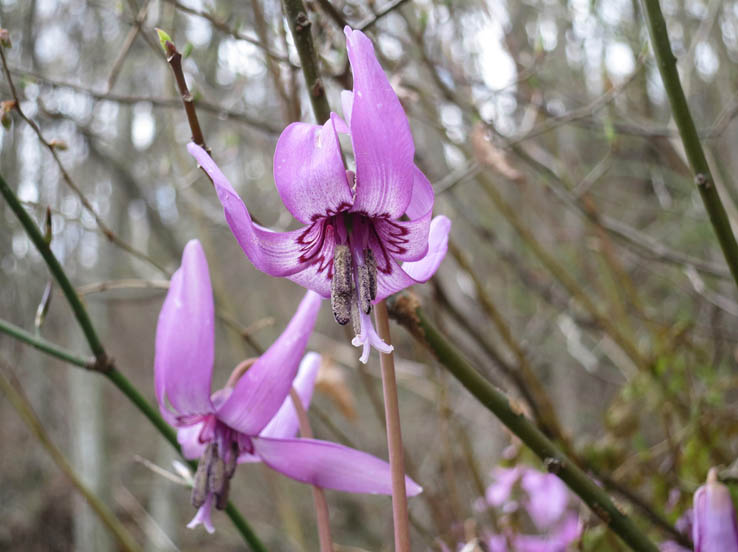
[183, 359]
[276, 253]
[329, 465]
[394, 278]
[261, 390]
[380, 134]
[309, 171]
[285, 423]
[408, 240]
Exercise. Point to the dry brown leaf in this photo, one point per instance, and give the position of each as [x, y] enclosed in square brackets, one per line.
[489, 155]
[332, 382]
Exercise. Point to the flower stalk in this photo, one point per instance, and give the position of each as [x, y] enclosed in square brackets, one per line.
[394, 432]
[321, 504]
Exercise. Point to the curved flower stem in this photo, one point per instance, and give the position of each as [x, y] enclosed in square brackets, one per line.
[688, 132]
[102, 362]
[321, 505]
[25, 411]
[394, 433]
[406, 310]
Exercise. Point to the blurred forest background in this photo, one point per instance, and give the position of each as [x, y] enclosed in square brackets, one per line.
[583, 276]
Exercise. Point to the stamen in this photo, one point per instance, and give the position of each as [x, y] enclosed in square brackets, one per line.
[371, 263]
[355, 320]
[200, 485]
[230, 465]
[221, 498]
[365, 299]
[341, 284]
[216, 476]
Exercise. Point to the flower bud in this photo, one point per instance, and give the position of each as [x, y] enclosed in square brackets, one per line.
[714, 528]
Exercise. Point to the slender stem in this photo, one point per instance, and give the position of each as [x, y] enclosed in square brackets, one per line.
[299, 24]
[394, 433]
[321, 505]
[240, 523]
[688, 132]
[46, 346]
[103, 363]
[25, 411]
[406, 310]
[174, 59]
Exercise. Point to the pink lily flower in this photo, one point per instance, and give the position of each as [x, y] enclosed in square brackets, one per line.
[252, 417]
[714, 527]
[358, 226]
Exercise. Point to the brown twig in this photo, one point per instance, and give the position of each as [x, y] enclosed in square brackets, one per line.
[167, 103]
[174, 59]
[364, 25]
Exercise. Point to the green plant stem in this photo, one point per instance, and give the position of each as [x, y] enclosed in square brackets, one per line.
[46, 346]
[103, 363]
[405, 308]
[299, 24]
[25, 411]
[688, 132]
[57, 271]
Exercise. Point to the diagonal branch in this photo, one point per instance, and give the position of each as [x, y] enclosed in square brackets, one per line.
[406, 310]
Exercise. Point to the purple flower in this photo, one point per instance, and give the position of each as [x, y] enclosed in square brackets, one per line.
[358, 226]
[546, 500]
[252, 418]
[714, 525]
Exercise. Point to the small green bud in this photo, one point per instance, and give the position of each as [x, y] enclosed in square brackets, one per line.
[187, 50]
[163, 39]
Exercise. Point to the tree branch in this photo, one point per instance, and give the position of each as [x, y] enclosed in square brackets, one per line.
[688, 132]
[405, 309]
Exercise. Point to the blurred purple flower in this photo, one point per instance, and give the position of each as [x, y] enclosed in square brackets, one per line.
[359, 226]
[714, 526]
[252, 418]
[545, 499]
